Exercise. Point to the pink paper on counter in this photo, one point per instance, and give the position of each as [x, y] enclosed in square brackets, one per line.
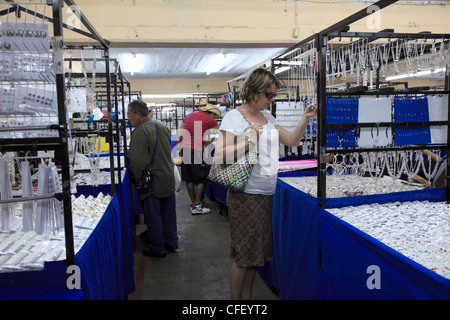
[292, 165]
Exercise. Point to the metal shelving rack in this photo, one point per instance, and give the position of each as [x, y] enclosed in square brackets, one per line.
[58, 144]
[320, 43]
[116, 86]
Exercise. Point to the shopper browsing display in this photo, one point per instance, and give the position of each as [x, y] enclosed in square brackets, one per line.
[437, 173]
[194, 168]
[150, 142]
[251, 126]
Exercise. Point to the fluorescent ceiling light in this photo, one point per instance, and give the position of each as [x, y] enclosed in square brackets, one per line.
[282, 69]
[218, 62]
[170, 95]
[132, 62]
[286, 65]
[413, 75]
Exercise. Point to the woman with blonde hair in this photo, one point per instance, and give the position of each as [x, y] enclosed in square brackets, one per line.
[251, 126]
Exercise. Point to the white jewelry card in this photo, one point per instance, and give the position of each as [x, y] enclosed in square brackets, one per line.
[375, 109]
[24, 37]
[438, 111]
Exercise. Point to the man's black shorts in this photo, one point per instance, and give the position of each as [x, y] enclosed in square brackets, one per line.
[193, 168]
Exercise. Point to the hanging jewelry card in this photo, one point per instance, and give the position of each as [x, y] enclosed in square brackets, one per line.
[438, 110]
[342, 110]
[374, 109]
[409, 109]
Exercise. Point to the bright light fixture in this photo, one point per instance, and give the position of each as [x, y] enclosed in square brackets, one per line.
[132, 62]
[169, 95]
[413, 75]
[218, 62]
[288, 65]
[282, 69]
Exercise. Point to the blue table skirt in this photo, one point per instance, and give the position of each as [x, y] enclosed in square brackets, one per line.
[312, 252]
[216, 192]
[87, 190]
[293, 272]
[106, 258]
[46, 284]
[347, 253]
[43, 292]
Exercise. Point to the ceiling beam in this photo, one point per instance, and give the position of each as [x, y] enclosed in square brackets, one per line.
[76, 10]
[119, 45]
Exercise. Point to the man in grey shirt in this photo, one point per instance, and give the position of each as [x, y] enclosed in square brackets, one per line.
[158, 202]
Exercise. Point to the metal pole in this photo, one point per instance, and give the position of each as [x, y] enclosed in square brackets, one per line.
[447, 178]
[321, 45]
[116, 105]
[124, 122]
[110, 124]
[63, 133]
[358, 16]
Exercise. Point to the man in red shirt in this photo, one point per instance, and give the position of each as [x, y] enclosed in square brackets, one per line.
[194, 170]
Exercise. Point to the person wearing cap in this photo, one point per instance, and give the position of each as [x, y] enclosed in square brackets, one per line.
[194, 169]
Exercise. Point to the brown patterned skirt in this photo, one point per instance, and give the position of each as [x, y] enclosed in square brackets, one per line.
[251, 228]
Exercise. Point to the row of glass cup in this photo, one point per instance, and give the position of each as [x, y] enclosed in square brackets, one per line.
[21, 250]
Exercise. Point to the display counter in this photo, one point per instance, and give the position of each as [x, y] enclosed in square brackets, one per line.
[105, 261]
[349, 258]
[318, 256]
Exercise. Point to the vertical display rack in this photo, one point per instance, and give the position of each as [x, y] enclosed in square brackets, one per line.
[35, 24]
[335, 53]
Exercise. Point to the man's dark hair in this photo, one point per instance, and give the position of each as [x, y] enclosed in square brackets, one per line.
[138, 106]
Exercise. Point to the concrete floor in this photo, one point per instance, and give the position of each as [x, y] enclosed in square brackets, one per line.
[200, 268]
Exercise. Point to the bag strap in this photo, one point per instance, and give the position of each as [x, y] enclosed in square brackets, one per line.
[156, 142]
[249, 122]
